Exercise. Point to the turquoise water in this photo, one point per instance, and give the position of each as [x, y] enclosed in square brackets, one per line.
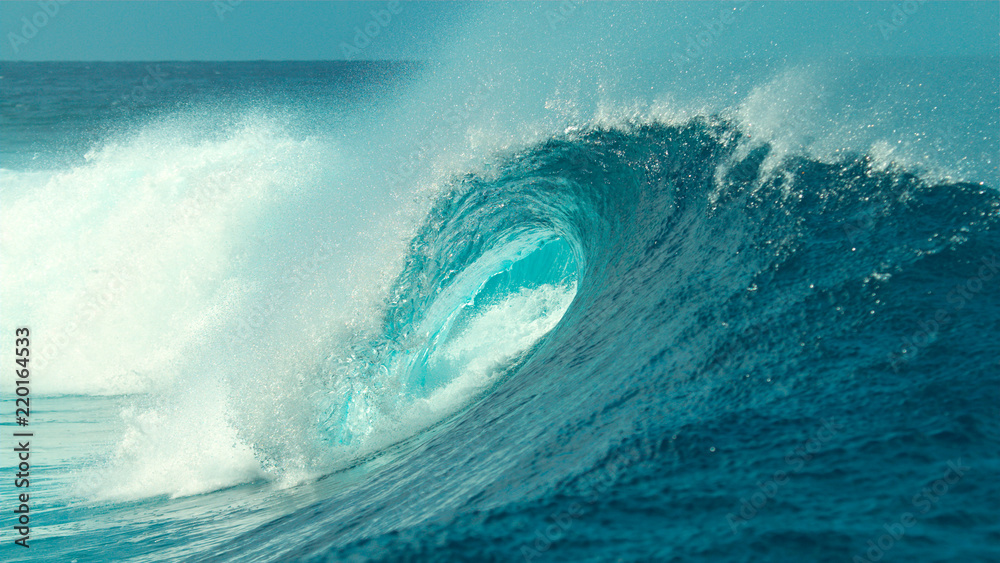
[510, 306]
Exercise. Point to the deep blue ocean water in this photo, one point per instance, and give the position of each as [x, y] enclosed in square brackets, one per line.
[373, 311]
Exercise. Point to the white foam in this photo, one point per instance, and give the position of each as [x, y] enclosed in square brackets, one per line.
[175, 261]
[493, 339]
[380, 412]
[178, 448]
[125, 265]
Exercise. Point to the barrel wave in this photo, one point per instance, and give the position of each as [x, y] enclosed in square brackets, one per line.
[652, 339]
[698, 319]
[581, 282]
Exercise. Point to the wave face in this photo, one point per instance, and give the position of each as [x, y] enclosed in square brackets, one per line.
[708, 323]
[663, 330]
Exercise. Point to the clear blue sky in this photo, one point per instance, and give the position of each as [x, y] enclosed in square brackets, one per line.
[206, 30]
[254, 30]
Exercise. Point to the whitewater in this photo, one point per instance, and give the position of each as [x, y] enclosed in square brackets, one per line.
[562, 292]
